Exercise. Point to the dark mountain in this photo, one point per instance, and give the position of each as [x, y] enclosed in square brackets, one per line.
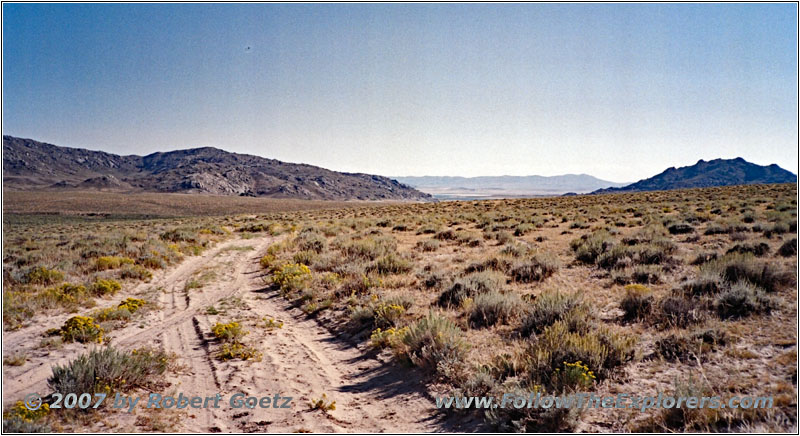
[29, 164]
[506, 186]
[718, 172]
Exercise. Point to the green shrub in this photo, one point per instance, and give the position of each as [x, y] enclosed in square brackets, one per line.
[179, 235]
[550, 307]
[504, 237]
[687, 347]
[647, 274]
[680, 229]
[107, 370]
[495, 307]
[679, 311]
[532, 419]
[736, 267]
[310, 241]
[788, 248]
[716, 229]
[434, 280]
[470, 286]
[390, 264]
[638, 302]
[428, 245]
[601, 350]
[370, 248]
[760, 249]
[151, 261]
[516, 250]
[741, 300]
[257, 227]
[305, 257]
[446, 235]
[702, 258]
[433, 340]
[641, 254]
[536, 269]
[490, 264]
[589, 247]
[678, 347]
[708, 282]
[137, 272]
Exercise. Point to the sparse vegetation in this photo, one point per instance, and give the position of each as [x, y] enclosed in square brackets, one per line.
[550, 295]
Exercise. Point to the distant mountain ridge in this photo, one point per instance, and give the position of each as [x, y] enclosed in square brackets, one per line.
[30, 164]
[703, 174]
[494, 186]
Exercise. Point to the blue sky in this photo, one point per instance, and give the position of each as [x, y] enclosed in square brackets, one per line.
[619, 91]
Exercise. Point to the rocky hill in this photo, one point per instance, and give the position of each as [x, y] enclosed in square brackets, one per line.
[29, 164]
[717, 172]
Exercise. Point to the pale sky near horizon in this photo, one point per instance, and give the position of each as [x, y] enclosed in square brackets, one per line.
[618, 91]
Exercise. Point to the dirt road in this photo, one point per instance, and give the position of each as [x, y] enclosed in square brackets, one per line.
[301, 360]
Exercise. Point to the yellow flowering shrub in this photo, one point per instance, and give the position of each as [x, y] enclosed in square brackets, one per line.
[389, 338]
[228, 332]
[292, 277]
[574, 375]
[81, 329]
[19, 411]
[105, 287]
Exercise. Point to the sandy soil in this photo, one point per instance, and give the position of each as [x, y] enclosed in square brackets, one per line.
[302, 360]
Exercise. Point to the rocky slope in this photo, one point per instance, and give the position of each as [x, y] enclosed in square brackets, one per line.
[29, 164]
[717, 172]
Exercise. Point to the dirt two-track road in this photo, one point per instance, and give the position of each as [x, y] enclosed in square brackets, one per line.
[302, 360]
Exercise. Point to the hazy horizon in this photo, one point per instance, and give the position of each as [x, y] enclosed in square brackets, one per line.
[616, 91]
